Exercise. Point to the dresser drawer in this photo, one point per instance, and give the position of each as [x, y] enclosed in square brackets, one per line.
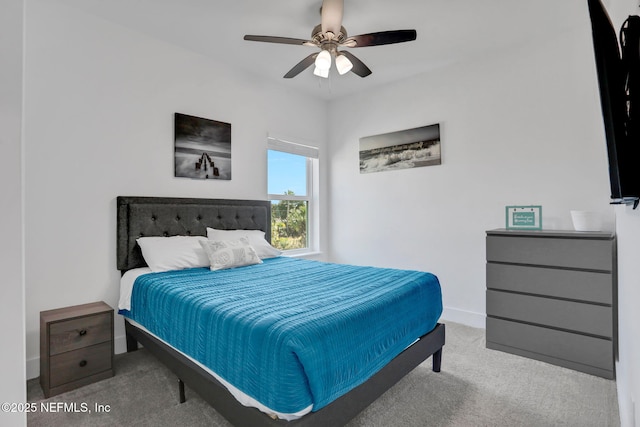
[77, 364]
[80, 332]
[571, 284]
[569, 315]
[588, 254]
[539, 341]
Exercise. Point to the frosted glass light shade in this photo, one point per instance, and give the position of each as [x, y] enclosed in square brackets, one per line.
[323, 60]
[321, 73]
[343, 64]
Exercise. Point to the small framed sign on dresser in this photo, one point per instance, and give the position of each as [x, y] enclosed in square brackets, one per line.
[76, 347]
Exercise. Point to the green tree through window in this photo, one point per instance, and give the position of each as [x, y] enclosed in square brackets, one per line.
[289, 223]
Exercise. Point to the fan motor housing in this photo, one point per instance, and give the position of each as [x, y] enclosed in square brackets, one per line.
[319, 37]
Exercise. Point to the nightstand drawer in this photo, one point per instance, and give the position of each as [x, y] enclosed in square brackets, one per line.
[78, 333]
[73, 365]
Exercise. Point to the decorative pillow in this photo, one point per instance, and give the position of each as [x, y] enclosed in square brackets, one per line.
[256, 239]
[230, 253]
[173, 253]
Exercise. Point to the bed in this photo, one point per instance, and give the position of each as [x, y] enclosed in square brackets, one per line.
[148, 216]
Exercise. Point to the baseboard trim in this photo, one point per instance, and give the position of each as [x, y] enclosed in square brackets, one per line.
[469, 318]
[33, 368]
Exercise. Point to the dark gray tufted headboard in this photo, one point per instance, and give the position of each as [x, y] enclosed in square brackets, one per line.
[165, 216]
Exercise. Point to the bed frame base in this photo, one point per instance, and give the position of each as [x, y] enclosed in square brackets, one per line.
[337, 413]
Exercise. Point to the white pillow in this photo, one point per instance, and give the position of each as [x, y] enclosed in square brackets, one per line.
[256, 239]
[230, 253]
[173, 253]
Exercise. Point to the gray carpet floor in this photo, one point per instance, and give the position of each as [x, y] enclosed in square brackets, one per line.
[477, 387]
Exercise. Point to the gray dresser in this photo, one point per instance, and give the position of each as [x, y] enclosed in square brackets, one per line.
[551, 296]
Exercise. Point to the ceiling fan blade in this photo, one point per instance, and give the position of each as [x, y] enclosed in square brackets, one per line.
[331, 12]
[272, 39]
[358, 66]
[383, 37]
[301, 66]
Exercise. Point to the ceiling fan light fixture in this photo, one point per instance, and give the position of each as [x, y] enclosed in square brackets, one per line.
[329, 36]
[323, 61]
[343, 64]
[321, 73]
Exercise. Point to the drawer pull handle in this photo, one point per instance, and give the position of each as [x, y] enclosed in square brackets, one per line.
[82, 363]
[82, 332]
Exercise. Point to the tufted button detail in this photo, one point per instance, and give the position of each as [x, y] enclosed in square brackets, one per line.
[140, 235]
[198, 218]
[188, 233]
[153, 218]
[165, 234]
[178, 218]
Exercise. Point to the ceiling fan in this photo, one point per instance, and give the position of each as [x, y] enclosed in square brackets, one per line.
[330, 35]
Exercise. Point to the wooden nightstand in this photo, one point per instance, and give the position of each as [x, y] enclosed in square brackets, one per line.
[76, 347]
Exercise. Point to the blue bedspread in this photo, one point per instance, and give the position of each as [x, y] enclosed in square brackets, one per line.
[289, 332]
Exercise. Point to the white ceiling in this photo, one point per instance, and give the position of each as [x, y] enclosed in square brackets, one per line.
[448, 31]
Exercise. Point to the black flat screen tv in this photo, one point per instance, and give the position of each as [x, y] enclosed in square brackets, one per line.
[621, 133]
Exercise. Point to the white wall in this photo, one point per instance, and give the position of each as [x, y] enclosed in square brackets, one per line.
[628, 233]
[627, 369]
[12, 355]
[99, 107]
[519, 127]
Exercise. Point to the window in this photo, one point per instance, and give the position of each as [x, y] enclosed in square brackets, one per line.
[291, 171]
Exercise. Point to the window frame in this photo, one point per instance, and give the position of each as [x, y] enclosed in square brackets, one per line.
[311, 153]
